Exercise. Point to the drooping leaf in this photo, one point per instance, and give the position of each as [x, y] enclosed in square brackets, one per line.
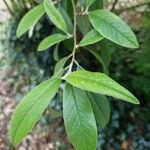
[30, 19]
[113, 28]
[79, 119]
[67, 19]
[90, 38]
[51, 40]
[96, 54]
[55, 16]
[60, 64]
[101, 108]
[105, 51]
[31, 108]
[101, 84]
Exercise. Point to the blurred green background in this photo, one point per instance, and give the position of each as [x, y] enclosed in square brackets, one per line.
[22, 68]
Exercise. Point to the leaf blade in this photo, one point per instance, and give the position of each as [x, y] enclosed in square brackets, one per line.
[78, 115]
[55, 16]
[30, 19]
[51, 40]
[113, 28]
[101, 108]
[101, 84]
[90, 38]
[31, 108]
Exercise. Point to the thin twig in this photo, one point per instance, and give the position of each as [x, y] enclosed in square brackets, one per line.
[114, 5]
[132, 7]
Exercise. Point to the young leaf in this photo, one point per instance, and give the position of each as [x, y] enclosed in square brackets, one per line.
[90, 38]
[51, 40]
[79, 119]
[113, 28]
[101, 108]
[31, 108]
[55, 16]
[30, 19]
[101, 84]
[60, 64]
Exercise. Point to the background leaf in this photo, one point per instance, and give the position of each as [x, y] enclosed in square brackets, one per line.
[60, 64]
[79, 119]
[30, 19]
[55, 16]
[101, 84]
[90, 38]
[51, 40]
[101, 108]
[96, 54]
[113, 28]
[31, 108]
[67, 19]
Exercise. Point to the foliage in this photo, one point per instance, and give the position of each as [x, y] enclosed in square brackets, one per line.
[78, 82]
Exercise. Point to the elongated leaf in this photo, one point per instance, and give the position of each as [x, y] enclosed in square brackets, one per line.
[90, 38]
[113, 28]
[105, 51]
[55, 16]
[60, 64]
[67, 19]
[101, 108]
[31, 108]
[79, 119]
[89, 2]
[101, 84]
[51, 40]
[30, 19]
[55, 53]
[100, 59]
[83, 24]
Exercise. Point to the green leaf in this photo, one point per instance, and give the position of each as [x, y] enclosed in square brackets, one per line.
[101, 108]
[89, 3]
[31, 108]
[79, 119]
[83, 24]
[100, 59]
[113, 28]
[67, 19]
[55, 16]
[51, 40]
[101, 84]
[90, 38]
[98, 4]
[60, 64]
[30, 19]
[105, 51]
[55, 53]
